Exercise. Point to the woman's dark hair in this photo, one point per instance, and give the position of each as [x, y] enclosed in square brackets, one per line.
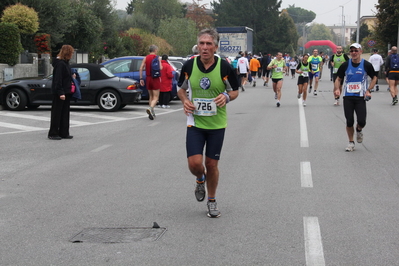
[165, 57]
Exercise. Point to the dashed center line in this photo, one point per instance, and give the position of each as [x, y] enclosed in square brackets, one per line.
[306, 175]
[313, 244]
[303, 127]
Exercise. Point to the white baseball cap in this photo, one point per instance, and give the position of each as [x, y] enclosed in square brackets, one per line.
[356, 45]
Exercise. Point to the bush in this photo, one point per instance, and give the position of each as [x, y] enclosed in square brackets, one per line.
[10, 46]
[24, 17]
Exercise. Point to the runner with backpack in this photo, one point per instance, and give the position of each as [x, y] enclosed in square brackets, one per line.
[153, 66]
[392, 67]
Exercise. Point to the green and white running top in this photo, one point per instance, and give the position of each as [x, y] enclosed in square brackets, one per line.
[203, 89]
[338, 61]
[278, 72]
[315, 62]
[305, 69]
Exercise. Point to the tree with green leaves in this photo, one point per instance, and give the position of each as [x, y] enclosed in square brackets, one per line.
[86, 29]
[181, 33]
[300, 15]
[363, 33]
[158, 10]
[387, 25]
[148, 39]
[319, 32]
[10, 47]
[263, 16]
[54, 19]
[137, 20]
[24, 17]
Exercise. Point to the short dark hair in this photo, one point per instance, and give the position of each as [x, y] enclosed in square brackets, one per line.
[165, 57]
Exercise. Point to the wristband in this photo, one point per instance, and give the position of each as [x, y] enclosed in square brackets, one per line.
[227, 96]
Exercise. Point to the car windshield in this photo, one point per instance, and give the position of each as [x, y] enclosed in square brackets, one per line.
[107, 72]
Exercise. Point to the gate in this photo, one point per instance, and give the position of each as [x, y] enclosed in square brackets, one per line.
[41, 67]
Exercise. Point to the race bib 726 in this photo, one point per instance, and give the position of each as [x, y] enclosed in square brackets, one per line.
[204, 107]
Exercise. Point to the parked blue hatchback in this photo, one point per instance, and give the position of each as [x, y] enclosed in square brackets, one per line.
[129, 67]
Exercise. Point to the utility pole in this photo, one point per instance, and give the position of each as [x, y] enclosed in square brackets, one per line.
[358, 21]
[343, 28]
[397, 45]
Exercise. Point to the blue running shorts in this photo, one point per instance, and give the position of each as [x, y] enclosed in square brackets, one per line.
[196, 139]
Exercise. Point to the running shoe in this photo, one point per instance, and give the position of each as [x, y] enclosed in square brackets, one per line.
[264, 83]
[377, 88]
[278, 104]
[153, 112]
[200, 191]
[315, 93]
[336, 102]
[299, 95]
[213, 211]
[359, 137]
[275, 96]
[394, 100]
[242, 88]
[310, 89]
[350, 147]
[304, 103]
[150, 116]
[254, 84]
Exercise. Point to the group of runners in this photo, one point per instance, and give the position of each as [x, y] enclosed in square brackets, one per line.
[208, 83]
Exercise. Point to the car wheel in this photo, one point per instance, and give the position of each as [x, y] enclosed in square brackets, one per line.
[16, 100]
[109, 101]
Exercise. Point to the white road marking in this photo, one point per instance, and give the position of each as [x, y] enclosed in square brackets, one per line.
[306, 175]
[302, 124]
[98, 116]
[153, 124]
[74, 123]
[20, 127]
[38, 118]
[101, 148]
[313, 244]
[25, 116]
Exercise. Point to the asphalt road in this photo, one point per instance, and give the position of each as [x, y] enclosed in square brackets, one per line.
[289, 194]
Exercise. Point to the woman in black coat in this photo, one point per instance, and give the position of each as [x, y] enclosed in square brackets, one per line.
[62, 92]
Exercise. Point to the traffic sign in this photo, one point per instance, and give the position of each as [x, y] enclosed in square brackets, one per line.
[371, 43]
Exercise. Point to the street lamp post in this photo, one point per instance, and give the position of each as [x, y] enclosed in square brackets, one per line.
[343, 28]
[358, 21]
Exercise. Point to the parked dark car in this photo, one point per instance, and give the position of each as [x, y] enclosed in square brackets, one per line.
[129, 67]
[98, 87]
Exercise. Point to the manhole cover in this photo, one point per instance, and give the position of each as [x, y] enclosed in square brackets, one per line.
[118, 235]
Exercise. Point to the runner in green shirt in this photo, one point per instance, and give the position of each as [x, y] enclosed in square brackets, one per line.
[278, 67]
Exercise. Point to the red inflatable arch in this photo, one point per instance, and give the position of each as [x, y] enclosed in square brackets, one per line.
[322, 42]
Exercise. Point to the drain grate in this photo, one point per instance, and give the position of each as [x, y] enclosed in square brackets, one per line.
[118, 235]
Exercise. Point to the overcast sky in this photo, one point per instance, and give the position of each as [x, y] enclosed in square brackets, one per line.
[327, 12]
